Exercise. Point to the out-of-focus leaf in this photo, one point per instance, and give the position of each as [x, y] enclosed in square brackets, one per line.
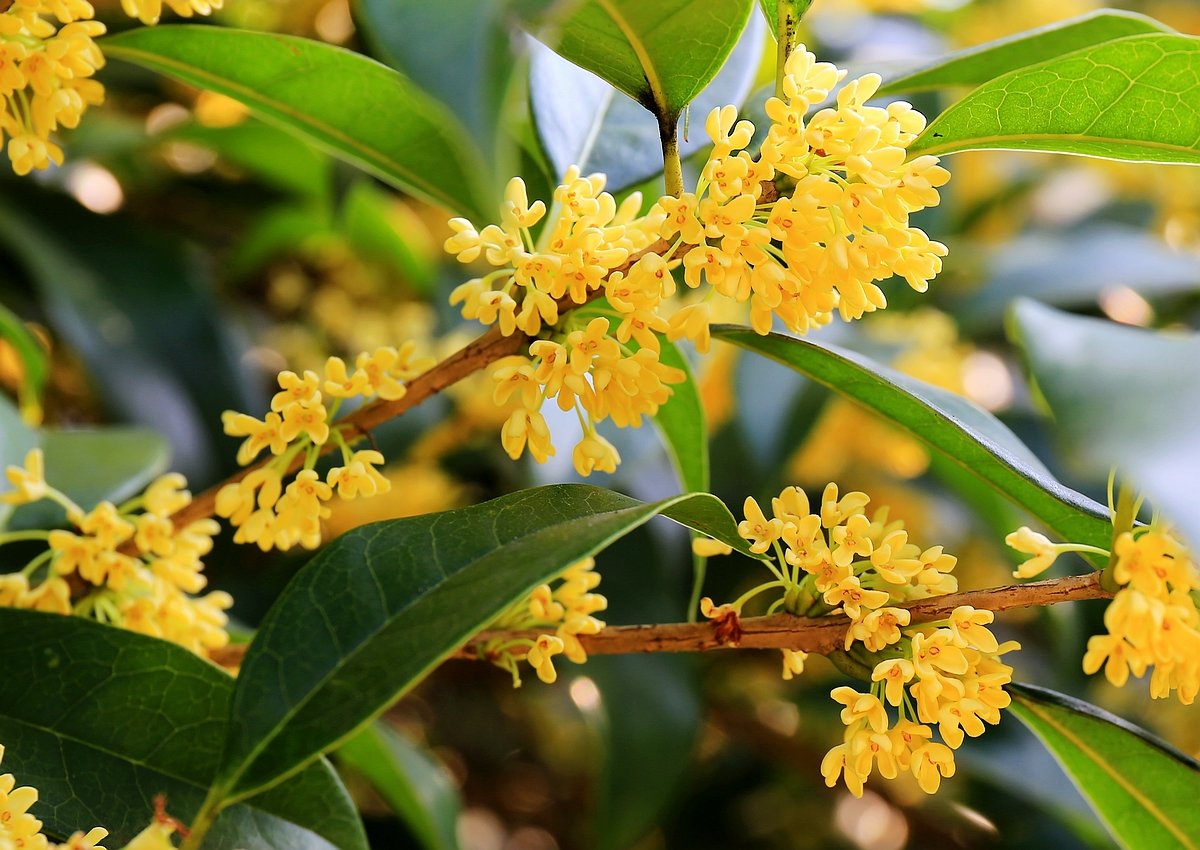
[32, 358]
[683, 426]
[1144, 790]
[661, 54]
[355, 108]
[368, 224]
[16, 439]
[139, 311]
[100, 720]
[581, 120]
[1122, 397]
[417, 788]
[1129, 99]
[964, 432]
[976, 65]
[375, 611]
[277, 231]
[1076, 267]
[276, 157]
[646, 722]
[459, 52]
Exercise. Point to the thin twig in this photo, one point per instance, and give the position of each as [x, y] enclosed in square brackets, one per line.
[783, 631]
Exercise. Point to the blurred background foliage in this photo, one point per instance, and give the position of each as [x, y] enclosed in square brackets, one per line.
[187, 252]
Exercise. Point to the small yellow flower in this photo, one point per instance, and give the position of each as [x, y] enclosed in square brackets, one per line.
[706, 547]
[594, 453]
[541, 654]
[1028, 541]
[29, 480]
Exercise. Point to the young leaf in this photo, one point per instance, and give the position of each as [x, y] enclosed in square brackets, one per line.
[353, 107]
[976, 65]
[418, 789]
[1129, 99]
[100, 720]
[1144, 790]
[662, 54]
[383, 605]
[961, 430]
[1122, 397]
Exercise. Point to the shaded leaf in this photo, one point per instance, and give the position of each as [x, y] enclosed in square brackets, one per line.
[277, 158]
[379, 608]
[1129, 99]
[100, 720]
[1122, 397]
[961, 430]
[683, 425]
[984, 62]
[1144, 790]
[417, 787]
[346, 103]
[367, 219]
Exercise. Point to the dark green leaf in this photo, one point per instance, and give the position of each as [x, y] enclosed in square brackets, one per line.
[352, 106]
[582, 120]
[1122, 397]
[964, 432]
[100, 720]
[661, 54]
[33, 363]
[976, 65]
[417, 788]
[1132, 99]
[1144, 790]
[379, 608]
[277, 158]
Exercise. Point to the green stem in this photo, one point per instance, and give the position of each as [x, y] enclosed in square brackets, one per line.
[204, 820]
[668, 131]
[787, 21]
[15, 536]
[699, 568]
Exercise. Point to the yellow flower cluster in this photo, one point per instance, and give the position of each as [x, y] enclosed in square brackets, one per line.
[299, 423]
[797, 258]
[20, 829]
[567, 608]
[837, 560]
[48, 56]
[86, 571]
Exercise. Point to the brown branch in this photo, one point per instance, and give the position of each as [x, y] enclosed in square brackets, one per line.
[783, 631]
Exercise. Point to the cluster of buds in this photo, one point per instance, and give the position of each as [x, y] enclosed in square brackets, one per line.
[838, 560]
[566, 608]
[299, 424]
[128, 565]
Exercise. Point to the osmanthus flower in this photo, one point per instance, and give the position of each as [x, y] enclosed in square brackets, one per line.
[128, 565]
[563, 609]
[833, 558]
[1152, 621]
[271, 514]
[20, 829]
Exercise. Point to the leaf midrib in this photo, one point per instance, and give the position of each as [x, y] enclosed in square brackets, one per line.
[657, 94]
[962, 145]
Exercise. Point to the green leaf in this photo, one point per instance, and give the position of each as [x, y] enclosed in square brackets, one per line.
[368, 221]
[417, 787]
[278, 158]
[1131, 99]
[582, 120]
[958, 428]
[1144, 790]
[349, 105]
[1076, 267]
[383, 605]
[683, 425]
[100, 720]
[661, 54]
[977, 65]
[16, 439]
[33, 364]
[1122, 397]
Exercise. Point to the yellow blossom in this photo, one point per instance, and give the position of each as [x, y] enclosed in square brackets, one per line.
[29, 480]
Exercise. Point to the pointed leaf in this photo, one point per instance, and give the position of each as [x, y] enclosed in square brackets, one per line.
[1144, 790]
[661, 54]
[976, 65]
[100, 720]
[1132, 99]
[960, 429]
[380, 607]
[414, 784]
[1122, 397]
[351, 106]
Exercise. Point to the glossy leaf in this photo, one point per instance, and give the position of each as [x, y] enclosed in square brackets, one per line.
[977, 65]
[661, 54]
[1129, 99]
[418, 789]
[345, 103]
[582, 120]
[961, 430]
[1144, 790]
[1122, 397]
[100, 720]
[379, 608]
